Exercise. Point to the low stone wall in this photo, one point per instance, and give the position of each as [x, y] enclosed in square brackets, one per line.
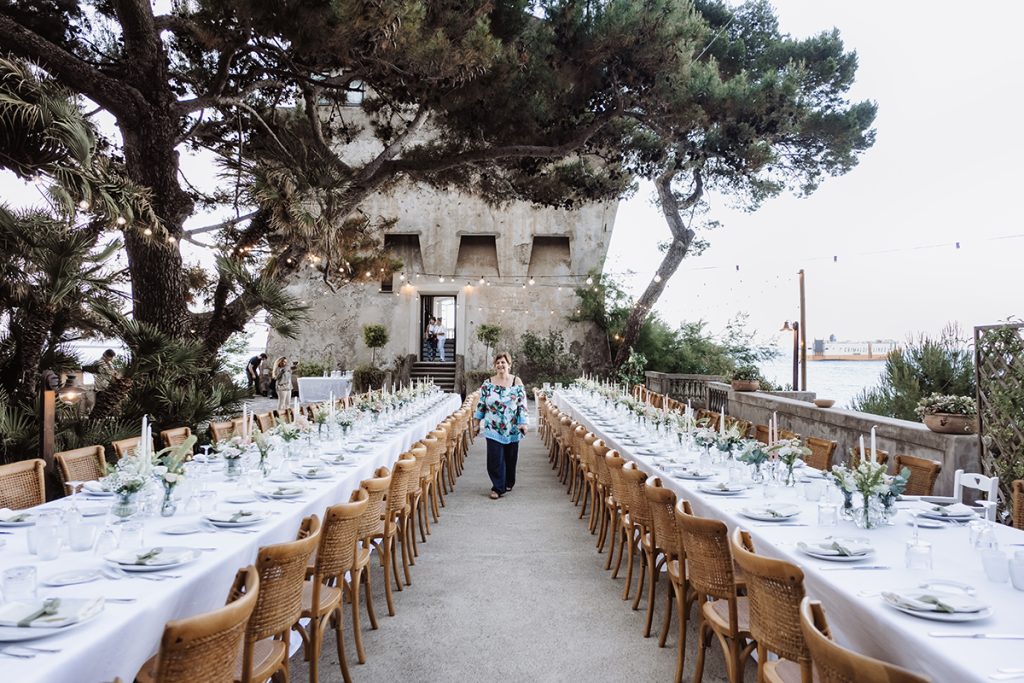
[846, 426]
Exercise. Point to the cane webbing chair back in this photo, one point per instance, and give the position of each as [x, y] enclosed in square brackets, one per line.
[662, 504]
[172, 437]
[881, 457]
[402, 479]
[282, 569]
[206, 647]
[835, 664]
[336, 553]
[741, 426]
[822, 451]
[761, 433]
[1017, 503]
[923, 473]
[221, 431]
[774, 591]
[372, 521]
[601, 465]
[634, 480]
[708, 555]
[123, 447]
[265, 421]
[615, 463]
[81, 464]
[22, 484]
[786, 434]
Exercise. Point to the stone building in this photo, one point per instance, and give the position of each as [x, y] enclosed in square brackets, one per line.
[466, 262]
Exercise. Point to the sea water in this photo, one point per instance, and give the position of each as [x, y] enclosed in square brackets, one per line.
[840, 380]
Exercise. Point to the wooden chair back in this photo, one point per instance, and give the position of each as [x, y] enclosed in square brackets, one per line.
[81, 464]
[708, 555]
[22, 484]
[634, 480]
[822, 451]
[710, 417]
[774, 591]
[742, 426]
[221, 431]
[123, 447]
[662, 503]
[436, 449]
[761, 433]
[336, 552]
[881, 457]
[172, 437]
[834, 663]
[786, 434]
[615, 463]
[282, 570]
[236, 425]
[923, 473]
[403, 478]
[372, 521]
[1017, 503]
[206, 647]
[600, 465]
[265, 421]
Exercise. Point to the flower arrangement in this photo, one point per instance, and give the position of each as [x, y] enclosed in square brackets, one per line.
[287, 431]
[871, 481]
[171, 467]
[230, 449]
[263, 446]
[728, 438]
[788, 451]
[704, 436]
[129, 476]
[753, 452]
[940, 403]
[370, 404]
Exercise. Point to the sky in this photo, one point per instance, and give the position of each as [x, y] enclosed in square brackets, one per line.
[945, 168]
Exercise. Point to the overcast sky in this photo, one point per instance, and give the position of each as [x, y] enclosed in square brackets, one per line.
[946, 168]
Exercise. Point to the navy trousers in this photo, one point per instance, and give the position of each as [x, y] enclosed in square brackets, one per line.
[501, 465]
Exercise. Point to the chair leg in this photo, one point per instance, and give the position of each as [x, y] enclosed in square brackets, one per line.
[339, 625]
[667, 621]
[315, 635]
[357, 631]
[586, 498]
[641, 576]
[631, 541]
[652, 570]
[370, 611]
[702, 646]
[403, 531]
[613, 526]
[619, 531]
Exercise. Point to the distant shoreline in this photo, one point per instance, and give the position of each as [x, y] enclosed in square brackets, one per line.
[852, 357]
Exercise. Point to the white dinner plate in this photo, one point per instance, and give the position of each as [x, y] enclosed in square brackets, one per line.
[241, 498]
[280, 477]
[224, 519]
[182, 530]
[949, 518]
[74, 577]
[729, 490]
[783, 513]
[334, 459]
[954, 617]
[176, 557]
[99, 494]
[691, 474]
[281, 492]
[93, 510]
[812, 551]
[23, 519]
[13, 634]
[928, 523]
[318, 472]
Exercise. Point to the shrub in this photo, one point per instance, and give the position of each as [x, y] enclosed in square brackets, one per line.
[488, 335]
[475, 378]
[546, 359]
[632, 371]
[955, 405]
[367, 377]
[310, 368]
[746, 373]
[375, 337]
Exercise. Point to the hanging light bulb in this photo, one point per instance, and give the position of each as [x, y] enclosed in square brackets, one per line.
[83, 205]
[482, 279]
[441, 279]
[120, 220]
[657, 278]
[532, 282]
[590, 280]
[402, 277]
[147, 232]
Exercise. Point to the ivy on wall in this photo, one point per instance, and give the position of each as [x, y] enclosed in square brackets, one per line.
[999, 358]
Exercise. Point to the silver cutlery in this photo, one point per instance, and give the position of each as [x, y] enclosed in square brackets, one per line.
[19, 655]
[979, 636]
[42, 650]
[781, 524]
[118, 573]
[855, 567]
[124, 600]
[1005, 670]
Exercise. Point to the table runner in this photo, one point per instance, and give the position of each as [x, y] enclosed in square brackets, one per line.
[865, 624]
[124, 636]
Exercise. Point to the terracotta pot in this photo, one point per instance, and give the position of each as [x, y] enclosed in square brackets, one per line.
[745, 385]
[950, 423]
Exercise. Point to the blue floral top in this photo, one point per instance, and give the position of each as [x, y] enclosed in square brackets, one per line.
[502, 410]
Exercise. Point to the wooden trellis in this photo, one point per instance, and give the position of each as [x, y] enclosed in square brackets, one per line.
[999, 364]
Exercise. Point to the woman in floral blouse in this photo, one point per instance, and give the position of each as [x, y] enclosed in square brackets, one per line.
[502, 410]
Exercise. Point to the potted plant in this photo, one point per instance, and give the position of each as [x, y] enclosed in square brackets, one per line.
[948, 414]
[375, 336]
[746, 378]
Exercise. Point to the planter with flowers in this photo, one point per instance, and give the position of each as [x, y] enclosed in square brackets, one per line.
[949, 414]
[746, 378]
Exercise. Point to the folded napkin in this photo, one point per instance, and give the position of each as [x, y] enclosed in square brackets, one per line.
[63, 612]
[775, 511]
[954, 510]
[9, 515]
[282, 491]
[234, 517]
[94, 487]
[152, 557]
[934, 601]
[845, 547]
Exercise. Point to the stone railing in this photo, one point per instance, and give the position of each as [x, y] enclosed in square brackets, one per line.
[846, 427]
[693, 388]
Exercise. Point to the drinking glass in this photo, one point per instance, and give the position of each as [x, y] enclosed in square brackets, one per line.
[81, 535]
[106, 542]
[996, 565]
[207, 501]
[813, 490]
[48, 546]
[46, 526]
[974, 527]
[986, 538]
[828, 513]
[1017, 570]
[919, 555]
[131, 536]
[19, 583]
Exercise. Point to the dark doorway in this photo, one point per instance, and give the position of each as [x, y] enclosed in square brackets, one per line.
[437, 306]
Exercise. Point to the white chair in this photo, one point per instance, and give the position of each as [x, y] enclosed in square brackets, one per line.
[989, 486]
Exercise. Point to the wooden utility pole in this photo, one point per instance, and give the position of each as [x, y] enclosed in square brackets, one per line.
[803, 337]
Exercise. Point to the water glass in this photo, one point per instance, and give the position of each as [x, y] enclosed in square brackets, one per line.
[986, 538]
[106, 542]
[1017, 570]
[19, 583]
[48, 546]
[207, 501]
[131, 536]
[828, 513]
[919, 555]
[81, 535]
[974, 527]
[813, 490]
[996, 565]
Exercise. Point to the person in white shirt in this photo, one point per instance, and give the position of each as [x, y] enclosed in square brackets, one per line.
[439, 330]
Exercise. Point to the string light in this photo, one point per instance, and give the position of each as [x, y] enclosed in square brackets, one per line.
[147, 232]
[83, 205]
[657, 278]
[120, 220]
[532, 281]
[590, 280]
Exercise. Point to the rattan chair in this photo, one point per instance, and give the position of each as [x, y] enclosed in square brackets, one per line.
[713, 578]
[22, 484]
[125, 447]
[881, 457]
[221, 431]
[761, 433]
[435, 456]
[323, 593]
[741, 426]
[682, 592]
[833, 663]
[619, 509]
[414, 499]
[923, 473]
[588, 478]
[265, 421]
[386, 536]
[172, 437]
[357, 572]
[370, 524]
[822, 451]
[282, 570]
[205, 647]
[575, 460]
[1017, 504]
[774, 591]
[603, 502]
[665, 547]
[636, 525]
[786, 434]
[710, 417]
[81, 464]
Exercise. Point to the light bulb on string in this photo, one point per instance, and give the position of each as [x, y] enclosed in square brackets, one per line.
[532, 281]
[147, 232]
[83, 205]
[657, 278]
[120, 220]
[590, 280]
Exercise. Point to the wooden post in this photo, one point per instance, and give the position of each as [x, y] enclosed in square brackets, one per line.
[803, 337]
[796, 355]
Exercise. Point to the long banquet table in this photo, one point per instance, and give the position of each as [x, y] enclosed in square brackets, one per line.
[851, 597]
[124, 636]
[320, 388]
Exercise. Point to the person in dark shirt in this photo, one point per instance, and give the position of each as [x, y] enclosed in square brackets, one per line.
[252, 371]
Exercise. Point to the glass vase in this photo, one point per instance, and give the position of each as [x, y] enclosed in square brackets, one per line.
[169, 505]
[869, 516]
[233, 469]
[758, 475]
[126, 506]
[847, 511]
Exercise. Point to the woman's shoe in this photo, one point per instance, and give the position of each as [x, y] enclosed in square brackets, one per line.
[495, 495]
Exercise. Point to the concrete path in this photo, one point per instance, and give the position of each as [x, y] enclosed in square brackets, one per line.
[512, 590]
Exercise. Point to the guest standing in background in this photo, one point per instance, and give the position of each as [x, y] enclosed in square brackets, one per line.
[440, 333]
[430, 335]
[106, 372]
[282, 376]
[252, 371]
[503, 411]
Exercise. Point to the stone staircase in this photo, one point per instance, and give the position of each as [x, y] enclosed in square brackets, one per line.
[449, 350]
[443, 374]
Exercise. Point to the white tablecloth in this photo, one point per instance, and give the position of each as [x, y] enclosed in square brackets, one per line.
[124, 636]
[320, 388]
[862, 622]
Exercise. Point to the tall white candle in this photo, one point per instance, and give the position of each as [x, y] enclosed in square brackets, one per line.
[874, 454]
[862, 447]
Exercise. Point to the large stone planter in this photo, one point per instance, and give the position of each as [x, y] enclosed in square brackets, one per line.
[745, 385]
[950, 423]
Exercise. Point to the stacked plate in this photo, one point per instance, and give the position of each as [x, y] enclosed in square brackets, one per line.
[152, 559]
[957, 512]
[937, 604]
[236, 518]
[771, 512]
[722, 489]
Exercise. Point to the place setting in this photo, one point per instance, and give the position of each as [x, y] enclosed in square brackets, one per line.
[723, 489]
[16, 518]
[945, 602]
[837, 549]
[152, 559]
[27, 619]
